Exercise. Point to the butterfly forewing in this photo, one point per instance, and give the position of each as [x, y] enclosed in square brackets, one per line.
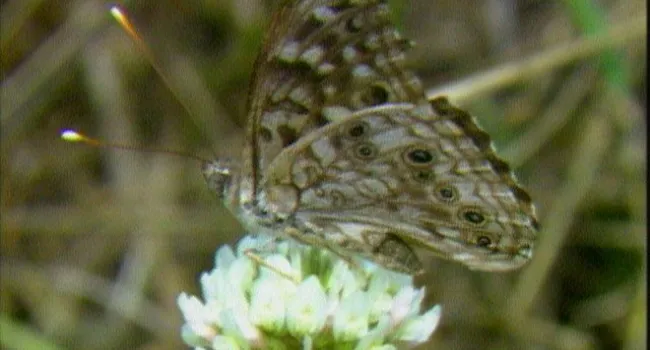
[322, 60]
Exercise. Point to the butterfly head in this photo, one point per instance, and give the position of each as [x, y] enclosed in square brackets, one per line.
[219, 176]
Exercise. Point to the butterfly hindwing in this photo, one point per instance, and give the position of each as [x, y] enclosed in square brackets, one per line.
[421, 174]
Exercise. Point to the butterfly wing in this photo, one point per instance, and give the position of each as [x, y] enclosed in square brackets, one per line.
[321, 60]
[403, 175]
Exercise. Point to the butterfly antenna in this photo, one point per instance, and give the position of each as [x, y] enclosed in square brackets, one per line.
[74, 136]
[121, 17]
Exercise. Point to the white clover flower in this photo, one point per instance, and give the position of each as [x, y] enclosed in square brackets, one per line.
[302, 297]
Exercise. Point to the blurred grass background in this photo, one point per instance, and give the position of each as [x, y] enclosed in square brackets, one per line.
[96, 244]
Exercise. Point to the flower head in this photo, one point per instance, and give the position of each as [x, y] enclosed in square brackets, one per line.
[302, 297]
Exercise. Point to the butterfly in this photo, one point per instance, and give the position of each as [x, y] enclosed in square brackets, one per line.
[344, 151]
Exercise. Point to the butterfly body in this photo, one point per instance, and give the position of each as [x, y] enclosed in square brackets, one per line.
[344, 152]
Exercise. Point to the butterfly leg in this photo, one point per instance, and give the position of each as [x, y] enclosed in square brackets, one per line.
[254, 255]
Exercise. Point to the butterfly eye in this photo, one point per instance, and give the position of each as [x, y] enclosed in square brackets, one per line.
[418, 156]
[447, 193]
[358, 130]
[483, 241]
[365, 151]
[474, 217]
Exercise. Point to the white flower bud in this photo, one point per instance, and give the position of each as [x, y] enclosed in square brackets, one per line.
[307, 309]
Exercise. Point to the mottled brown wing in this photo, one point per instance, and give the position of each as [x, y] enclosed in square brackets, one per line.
[407, 175]
[321, 60]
